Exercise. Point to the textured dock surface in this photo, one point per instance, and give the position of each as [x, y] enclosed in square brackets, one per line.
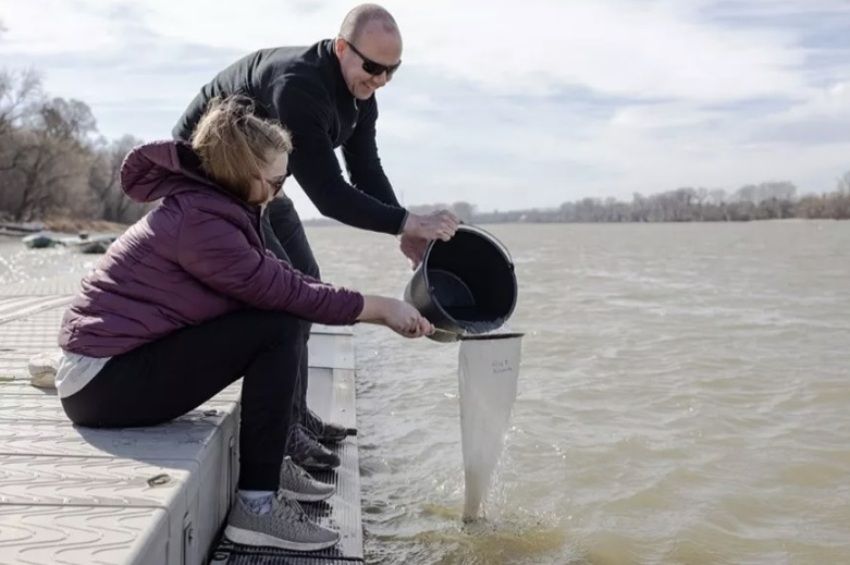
[145, 495]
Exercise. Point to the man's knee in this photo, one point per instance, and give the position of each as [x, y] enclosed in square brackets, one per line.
[312, 269]
[282, 217]
[284, 222]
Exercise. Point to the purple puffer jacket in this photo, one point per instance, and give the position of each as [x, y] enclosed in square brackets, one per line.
[198, 255]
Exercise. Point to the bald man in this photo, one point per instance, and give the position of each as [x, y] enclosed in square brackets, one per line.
[325, 95]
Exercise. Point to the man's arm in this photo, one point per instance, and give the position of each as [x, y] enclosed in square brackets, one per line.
[317, 170]
[361, 157]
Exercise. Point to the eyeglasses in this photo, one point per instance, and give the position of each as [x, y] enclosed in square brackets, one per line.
[372, 67]
[276, 184]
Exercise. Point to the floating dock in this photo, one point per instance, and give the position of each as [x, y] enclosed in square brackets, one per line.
[155, 495]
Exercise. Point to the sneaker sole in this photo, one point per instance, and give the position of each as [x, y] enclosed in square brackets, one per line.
[314, 465]
[259, 539]
[306, 497]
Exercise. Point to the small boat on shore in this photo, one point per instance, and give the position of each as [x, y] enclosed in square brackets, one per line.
[86, 243]
[80, 243]
[40, 240]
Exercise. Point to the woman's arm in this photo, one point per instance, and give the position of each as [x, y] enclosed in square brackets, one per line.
[217, 252]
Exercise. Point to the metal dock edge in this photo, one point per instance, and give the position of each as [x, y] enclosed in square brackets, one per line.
[156, 495]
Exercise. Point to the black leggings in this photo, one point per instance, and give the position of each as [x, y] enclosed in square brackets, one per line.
[164, 379]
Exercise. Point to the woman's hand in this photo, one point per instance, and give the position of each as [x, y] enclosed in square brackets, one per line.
[399, 316]
[405, 320]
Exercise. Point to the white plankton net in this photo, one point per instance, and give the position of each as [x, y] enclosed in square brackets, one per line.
[488, 370]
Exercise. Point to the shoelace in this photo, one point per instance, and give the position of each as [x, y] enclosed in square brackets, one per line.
[308, 432]
[299, 436]
[285, 503]
[294, 469]
[302, 438]
[314, 424]
[301, 472]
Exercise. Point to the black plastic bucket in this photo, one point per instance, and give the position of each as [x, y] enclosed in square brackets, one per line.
[466, 285]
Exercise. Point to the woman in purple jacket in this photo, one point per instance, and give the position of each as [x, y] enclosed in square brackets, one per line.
[188, 300]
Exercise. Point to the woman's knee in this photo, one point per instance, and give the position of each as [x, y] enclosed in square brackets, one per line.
[280, 327]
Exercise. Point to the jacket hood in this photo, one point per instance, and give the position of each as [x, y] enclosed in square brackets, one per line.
[149, 170]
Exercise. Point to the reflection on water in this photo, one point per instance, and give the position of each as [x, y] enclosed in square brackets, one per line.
[19, 264]
[487, 542]
[683, 398]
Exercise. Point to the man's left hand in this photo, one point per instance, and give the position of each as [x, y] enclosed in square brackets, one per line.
[413, 248]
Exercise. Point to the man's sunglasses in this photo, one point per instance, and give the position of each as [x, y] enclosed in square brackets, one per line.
[372, 67]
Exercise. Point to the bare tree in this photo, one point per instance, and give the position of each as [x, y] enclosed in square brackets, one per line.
[464, 210]
[20, 94]
[843, 185]
[105, 182]
[46, 159]
[746, 193]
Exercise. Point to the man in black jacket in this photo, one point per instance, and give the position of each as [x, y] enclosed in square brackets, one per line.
[325, 95]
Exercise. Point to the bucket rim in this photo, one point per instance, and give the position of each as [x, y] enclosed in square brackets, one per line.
[481, 232]
[490, 336]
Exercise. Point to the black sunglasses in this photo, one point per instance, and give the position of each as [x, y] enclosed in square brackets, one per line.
[372, 67]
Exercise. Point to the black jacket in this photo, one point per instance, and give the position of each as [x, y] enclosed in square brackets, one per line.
[303, 88]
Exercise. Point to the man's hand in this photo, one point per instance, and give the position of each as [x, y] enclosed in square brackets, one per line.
[439, 225]
[413, 248]
[419, 231]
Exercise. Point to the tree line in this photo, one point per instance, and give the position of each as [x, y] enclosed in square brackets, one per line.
[53, 161]
[765, 201]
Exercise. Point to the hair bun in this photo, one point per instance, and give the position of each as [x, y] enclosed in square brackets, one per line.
[238, 107]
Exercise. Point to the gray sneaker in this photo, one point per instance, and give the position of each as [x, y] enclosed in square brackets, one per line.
[325, 432]
[307, 452]
[297, 483]
[285, 526]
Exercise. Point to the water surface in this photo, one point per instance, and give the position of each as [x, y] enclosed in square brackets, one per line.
[684, 397]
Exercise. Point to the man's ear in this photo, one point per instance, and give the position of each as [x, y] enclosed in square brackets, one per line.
[340, 46]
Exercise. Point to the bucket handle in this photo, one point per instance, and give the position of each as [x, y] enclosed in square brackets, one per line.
[493, 238]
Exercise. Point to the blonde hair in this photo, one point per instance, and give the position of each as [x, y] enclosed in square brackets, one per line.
[234, 144]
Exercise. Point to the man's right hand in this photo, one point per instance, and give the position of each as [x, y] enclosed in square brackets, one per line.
[439, 225]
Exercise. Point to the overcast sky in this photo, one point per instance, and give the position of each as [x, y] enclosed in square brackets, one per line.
[503, 104]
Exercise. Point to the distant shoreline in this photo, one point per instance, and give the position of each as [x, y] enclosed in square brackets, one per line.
[79, 225]
[325, 223]
[72, 226]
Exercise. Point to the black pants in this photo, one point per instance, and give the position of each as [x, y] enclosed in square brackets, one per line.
[164, 379]
[285, 237]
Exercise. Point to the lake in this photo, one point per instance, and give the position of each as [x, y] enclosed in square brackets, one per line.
[684, 397]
